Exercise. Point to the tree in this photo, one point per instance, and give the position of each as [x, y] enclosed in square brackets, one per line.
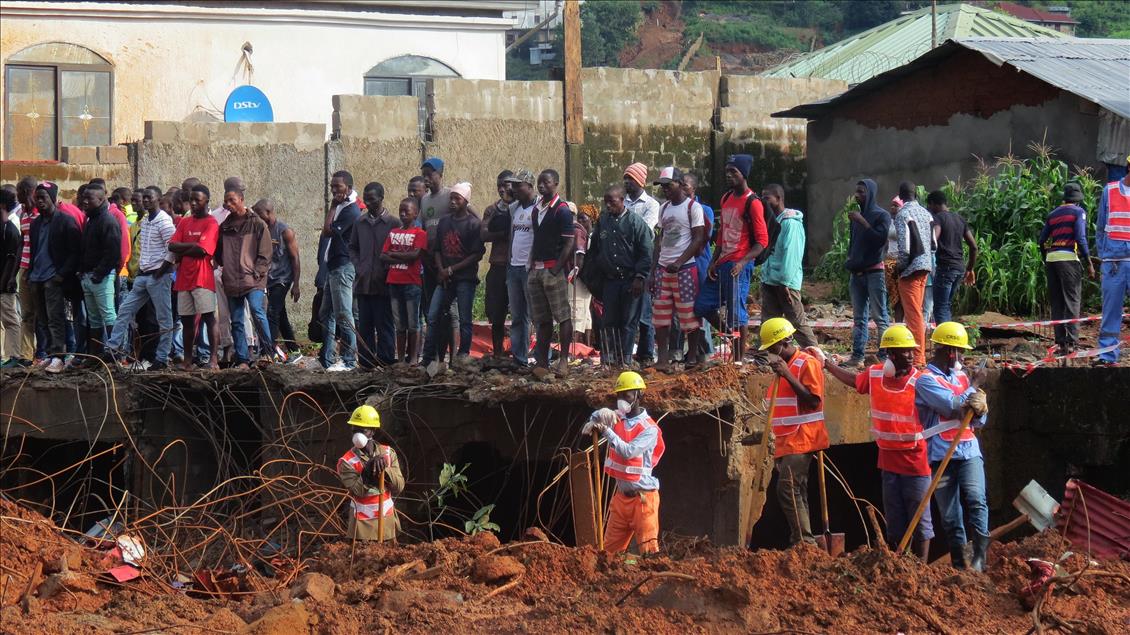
[607, 27]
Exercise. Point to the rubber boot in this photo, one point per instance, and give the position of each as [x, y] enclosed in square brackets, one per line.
[957, 556]
[921, 549]
[980, 552]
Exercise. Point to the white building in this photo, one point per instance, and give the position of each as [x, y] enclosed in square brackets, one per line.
[91, 73]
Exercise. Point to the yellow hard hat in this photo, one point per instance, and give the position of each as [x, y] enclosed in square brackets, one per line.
[365, 416]
[629, 380]
[951, 334]
[774, 330]
[898, 336]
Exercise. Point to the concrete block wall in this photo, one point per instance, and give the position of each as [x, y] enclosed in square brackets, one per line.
[655, 117]
[481, 127]
[281, 161]
[375, 138]
[71, 175]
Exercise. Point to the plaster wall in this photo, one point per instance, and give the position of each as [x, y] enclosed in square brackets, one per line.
[172, 61]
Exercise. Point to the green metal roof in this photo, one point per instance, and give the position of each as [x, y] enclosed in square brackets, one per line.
[890, 45]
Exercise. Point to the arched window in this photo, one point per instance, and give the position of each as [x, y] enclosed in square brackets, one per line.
[407, 75]
[55, 95]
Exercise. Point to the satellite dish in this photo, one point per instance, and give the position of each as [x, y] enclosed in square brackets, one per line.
[248, 103]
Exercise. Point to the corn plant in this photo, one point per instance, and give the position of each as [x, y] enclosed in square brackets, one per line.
[1005, 206]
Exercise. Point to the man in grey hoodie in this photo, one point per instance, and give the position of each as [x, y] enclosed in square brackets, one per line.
[866, 249]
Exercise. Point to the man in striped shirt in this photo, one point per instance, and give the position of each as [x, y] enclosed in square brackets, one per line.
[1063, 241]
[27, 213]
[154, 281]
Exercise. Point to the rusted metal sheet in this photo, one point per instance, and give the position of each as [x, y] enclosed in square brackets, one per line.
[1094, 521]
[581, 492]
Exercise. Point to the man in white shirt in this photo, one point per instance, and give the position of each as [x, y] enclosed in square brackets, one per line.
[640, 203]
[154, 281]
[674, 277]
[517, 275]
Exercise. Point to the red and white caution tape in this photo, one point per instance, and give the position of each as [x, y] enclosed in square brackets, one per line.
[847, 324]
[1028, 367]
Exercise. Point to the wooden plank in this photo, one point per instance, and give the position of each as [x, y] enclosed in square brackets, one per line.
[580, 490]
[574, 107]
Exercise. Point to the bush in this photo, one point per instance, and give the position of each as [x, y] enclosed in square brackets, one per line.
[1005, 206]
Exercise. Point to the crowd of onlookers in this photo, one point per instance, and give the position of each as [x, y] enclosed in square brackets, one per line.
[151, 278]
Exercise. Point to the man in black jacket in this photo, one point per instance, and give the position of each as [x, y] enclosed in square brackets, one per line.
[55, 247]
[866, 250]
[99, 265]
[11, 243]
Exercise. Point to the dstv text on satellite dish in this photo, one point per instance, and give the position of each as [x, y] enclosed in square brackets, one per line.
[248, 103]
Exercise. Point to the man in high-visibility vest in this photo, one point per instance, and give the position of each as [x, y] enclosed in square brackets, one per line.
[898, 433]
[359, 470]
[941, 395]
[635, 445]
[1112, 242]
[797, 421]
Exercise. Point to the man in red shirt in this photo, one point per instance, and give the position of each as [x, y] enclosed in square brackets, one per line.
[193, 244]
[898, 433]
[402, 252]
[742, 236]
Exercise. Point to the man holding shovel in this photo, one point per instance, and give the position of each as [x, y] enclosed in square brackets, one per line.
[635, 445]
[370, 472]
[942, 394]
[897, 432]
[797, 417]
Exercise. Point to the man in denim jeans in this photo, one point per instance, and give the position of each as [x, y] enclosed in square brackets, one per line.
[950, 230]
[98, 266]
[244, 252]
[866, 251]
[517, 274]
[337, 305]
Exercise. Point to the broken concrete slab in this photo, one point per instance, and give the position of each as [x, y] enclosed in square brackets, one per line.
[316, 586]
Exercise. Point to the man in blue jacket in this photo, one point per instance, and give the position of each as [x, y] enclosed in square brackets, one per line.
[1112, 242]
[866, 250]
[337, 302]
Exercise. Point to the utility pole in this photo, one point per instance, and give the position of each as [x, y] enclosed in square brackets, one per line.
[574, 106]
[933, 24]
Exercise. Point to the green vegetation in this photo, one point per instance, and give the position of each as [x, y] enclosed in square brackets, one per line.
[1005, 206]
[607, 28]
[1098, 18]
[752, 32]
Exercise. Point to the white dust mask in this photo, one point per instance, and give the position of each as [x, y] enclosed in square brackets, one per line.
[360, 440]
[888, 368]
[623, 407]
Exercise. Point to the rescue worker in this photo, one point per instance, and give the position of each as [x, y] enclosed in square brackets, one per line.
[797, 421]
[941, 395]
[635, 445]
[898, 433]
[359, 470]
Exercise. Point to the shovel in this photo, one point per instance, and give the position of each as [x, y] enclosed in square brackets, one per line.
[830, 542]
[1037, 506]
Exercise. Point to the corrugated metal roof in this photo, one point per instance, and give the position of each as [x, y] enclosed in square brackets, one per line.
[890, 45]
[1094, 521]
[1096, 70]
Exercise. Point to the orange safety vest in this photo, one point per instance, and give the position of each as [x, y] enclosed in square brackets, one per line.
[796, 433]
[947, 428]
[365, 507]
[894, 418]
[626, 469]
[1117, 213]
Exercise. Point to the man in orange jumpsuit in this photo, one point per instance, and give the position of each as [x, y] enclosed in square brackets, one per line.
[797, 421]
[635, 445]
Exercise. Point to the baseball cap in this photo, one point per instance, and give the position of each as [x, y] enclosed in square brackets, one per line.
[434, 163]
[523, 175]
[669, 174]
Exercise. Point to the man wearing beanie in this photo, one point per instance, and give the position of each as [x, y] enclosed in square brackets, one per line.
[742, 236]
[643, 205]
[55, 247]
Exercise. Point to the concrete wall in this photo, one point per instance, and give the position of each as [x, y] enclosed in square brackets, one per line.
[82, 164]
[655, 117]
[375, 139]
[172, 60]
[282, 161]
[777, 145]
[481, 127]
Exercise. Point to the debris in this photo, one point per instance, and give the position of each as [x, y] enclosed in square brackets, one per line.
[290, 618]
[316, 586]
[69, 580]
[396, 602]
[1094, 521]
[491, 568]
[124, 573]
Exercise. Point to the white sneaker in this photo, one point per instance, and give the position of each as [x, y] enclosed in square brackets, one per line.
[337, 367]
[294, 358]
[56, 366]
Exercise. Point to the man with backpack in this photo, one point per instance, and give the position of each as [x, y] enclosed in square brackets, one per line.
[742, 238]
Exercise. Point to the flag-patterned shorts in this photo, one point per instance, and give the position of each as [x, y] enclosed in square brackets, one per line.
[673, 296]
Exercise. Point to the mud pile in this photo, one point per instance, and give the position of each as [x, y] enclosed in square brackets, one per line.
[476, 585]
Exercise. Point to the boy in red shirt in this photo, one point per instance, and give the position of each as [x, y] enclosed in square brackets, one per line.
[193, 245]
[402, 250]
[898, 433]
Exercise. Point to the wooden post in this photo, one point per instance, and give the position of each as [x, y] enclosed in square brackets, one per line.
[598, 488]
[574, 108]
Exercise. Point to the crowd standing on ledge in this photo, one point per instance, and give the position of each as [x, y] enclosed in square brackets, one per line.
[151, 279]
